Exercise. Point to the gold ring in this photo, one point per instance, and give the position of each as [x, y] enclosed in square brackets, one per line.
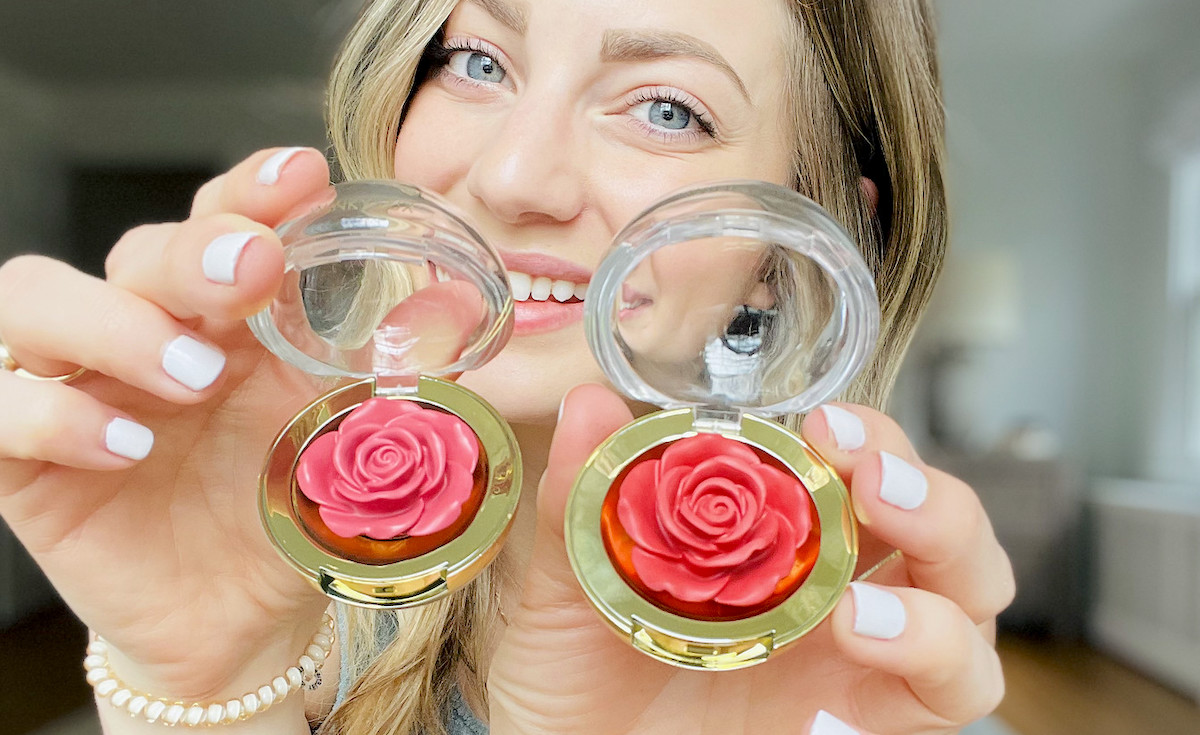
[880, 565]
[9, 364]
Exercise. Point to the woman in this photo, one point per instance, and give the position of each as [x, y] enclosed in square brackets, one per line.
[550, 123]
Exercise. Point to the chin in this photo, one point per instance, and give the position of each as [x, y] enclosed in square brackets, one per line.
[527, 381]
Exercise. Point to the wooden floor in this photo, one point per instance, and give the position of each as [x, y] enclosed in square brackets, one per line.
[1053, 689]
[1069, 689]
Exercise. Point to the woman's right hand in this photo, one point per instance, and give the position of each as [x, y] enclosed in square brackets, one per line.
[164, 556]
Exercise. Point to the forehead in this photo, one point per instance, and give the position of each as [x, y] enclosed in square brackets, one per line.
[747, 34]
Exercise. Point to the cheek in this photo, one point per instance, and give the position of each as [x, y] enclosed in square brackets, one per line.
[699, 273]
[432, 148]
[623, 181]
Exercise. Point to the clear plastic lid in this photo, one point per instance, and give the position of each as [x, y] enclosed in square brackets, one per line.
[733, 295]
[385, 280]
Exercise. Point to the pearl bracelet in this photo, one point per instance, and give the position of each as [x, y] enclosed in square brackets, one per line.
[173, 713]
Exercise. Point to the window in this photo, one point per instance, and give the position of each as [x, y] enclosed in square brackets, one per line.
[1183, 302]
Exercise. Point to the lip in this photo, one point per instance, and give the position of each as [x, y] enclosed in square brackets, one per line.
[541, 264]
[538, 317]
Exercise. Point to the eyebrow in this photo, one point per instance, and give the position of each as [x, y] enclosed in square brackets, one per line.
[513, 17]
[629, 45]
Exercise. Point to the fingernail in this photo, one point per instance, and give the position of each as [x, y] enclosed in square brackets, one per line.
[268, 173]
[562, 405]
[128, 439]
[848, 430]
[901, 484]
[827, 724]
[222, 254]
[194, 364]
[877, 612]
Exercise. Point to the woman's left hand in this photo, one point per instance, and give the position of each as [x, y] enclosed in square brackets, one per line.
[909, 652]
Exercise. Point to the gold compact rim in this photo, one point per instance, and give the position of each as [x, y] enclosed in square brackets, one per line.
[408, 582]
[705, 644]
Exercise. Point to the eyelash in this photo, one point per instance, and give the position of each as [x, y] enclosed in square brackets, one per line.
[439, 54]
[675, 97]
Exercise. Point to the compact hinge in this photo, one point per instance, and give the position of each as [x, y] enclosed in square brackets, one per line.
[717, 420]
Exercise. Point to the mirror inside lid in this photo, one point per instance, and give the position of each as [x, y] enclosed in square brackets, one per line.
[736, 294]
[384, 279]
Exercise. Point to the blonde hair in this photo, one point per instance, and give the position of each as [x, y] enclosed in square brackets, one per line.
[864, 98]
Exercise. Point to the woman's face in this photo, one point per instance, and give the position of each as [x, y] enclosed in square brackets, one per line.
[552, 123]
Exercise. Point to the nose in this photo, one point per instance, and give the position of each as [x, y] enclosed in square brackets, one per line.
[531, 169]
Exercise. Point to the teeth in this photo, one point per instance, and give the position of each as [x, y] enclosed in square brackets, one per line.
[543, 288]
[442, 275]
[562, 290]
[521, 284]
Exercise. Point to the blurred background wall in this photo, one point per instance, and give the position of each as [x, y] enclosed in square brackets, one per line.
[1057, 372]
[1066, 121]
[149, 85]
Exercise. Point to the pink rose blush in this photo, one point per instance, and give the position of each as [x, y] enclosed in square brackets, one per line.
[393, 469]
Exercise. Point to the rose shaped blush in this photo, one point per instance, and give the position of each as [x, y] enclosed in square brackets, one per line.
[391, 469]
[711, 523]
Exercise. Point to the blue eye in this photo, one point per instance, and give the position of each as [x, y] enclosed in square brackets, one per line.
[477, 66]
[670, 115]
[484, 68]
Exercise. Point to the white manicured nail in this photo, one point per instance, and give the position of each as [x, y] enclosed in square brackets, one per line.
[877, 612]
[268, 173]
[194, 364]
[127, 439]
[827, 724]
[848, 430]
[901, 484]
[222, 254]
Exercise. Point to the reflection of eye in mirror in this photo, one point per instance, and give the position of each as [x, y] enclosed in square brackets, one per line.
[750, 326]
[684, 295]
[733, 319]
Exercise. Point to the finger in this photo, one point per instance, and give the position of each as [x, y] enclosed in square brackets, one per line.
[943, 530]
[223, 266]
[266, 186]
[935, 519]
[54, 315]
[56, 423]
[846, 434]
[936, 667]
[430, 328]
[589, 415]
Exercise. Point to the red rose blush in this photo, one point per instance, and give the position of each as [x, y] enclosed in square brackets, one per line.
[710, 528]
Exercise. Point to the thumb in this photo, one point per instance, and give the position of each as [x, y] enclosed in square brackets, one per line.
[589, 415]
